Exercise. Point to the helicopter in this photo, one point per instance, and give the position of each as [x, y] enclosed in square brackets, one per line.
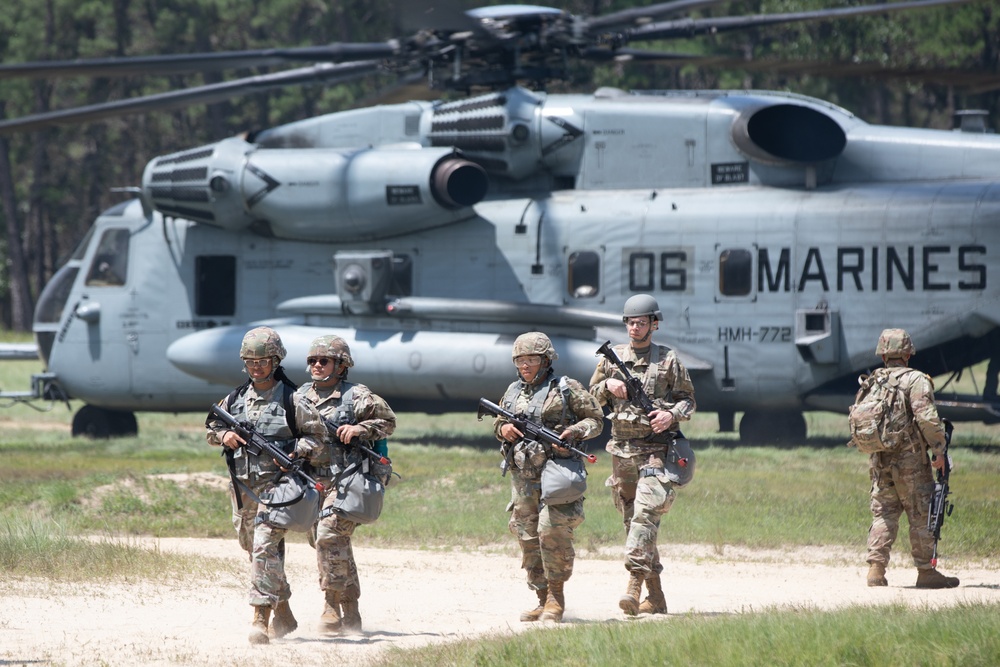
[779, 233]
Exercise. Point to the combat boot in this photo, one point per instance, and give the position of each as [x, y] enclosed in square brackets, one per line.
[351, 622]
[330, 622]
[629, 603]
[258, 633]
[533, 614]
[876, 575]
[654, 603]
[933, 579]
[283, 622]
[554, 603]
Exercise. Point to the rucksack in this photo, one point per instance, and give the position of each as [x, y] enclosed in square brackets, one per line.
[880, 415]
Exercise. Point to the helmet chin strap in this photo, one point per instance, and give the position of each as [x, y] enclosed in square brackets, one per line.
[649, 332]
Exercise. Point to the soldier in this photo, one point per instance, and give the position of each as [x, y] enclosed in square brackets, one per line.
[265, 400]
[901, 476]
[543, 530]
[640, 486]
[359, 416]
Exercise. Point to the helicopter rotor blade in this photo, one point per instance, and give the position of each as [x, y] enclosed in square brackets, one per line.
[598, 54]
[322, 73]
[200, 62]
[641, 15]
[692, 27]
[970, 81]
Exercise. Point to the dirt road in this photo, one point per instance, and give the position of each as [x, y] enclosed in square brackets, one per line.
[411, 598]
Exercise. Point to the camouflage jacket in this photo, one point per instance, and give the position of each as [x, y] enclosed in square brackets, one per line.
[583, 413]
[927, 430]
[371, 412]
[266, 412]
[666, 382]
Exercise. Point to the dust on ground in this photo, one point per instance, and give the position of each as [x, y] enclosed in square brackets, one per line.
[415, 597]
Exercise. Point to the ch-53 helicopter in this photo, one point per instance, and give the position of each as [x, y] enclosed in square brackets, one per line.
[778, 232]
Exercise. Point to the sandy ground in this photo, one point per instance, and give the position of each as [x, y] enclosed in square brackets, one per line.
[412, 598]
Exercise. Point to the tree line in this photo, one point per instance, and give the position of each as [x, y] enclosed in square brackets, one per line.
[914, 68]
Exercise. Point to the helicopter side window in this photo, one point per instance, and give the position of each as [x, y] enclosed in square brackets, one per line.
[735, 272]
[401, 283]
[109, 268]
[215, 285]
[584, 279]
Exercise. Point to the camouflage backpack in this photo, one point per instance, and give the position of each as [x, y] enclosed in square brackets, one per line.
[880, 414]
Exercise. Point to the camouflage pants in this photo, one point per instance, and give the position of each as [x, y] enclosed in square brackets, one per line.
[266, 546]
[901, 482]
[243, 519]
[334, 555]
[641, 501]
[544, 532]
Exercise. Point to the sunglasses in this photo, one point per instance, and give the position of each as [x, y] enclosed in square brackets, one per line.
[322, 361]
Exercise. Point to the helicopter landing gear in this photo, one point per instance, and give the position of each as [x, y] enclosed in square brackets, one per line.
[91, 421]
[773, 427]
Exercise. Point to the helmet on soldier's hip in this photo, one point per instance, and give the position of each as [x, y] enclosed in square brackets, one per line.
[534, 342]
[895, 343]
[333, 347]
[262, 343]
[639, 305]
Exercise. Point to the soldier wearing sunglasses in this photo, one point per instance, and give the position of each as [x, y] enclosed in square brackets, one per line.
[358, 414]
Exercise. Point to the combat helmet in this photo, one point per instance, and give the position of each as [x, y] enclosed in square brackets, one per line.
[333, 347]
[894, 344]
[261, 343]
[534, 342]
[639, 305]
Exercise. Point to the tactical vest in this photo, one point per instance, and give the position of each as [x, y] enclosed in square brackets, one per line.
[628, 422]
[342, 456]
[529, 456]
[275, 422]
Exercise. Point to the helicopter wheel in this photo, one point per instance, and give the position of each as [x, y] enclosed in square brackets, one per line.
[773, 427]
[93, 422]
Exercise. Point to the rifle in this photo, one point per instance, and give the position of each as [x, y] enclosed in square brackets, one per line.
[633, 385]
[940, 505]
[257, 445]
[530, 429]
[332, 428]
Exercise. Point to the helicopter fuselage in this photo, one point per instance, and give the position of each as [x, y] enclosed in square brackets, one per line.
[779, 234]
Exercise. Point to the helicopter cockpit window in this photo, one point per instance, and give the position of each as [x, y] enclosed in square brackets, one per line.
[215, 285]
[110, 264]
[81, 249]
[584, 279]
[735, 272]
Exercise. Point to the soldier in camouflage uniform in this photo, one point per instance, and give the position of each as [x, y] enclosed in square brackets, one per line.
[265, 401]
[640, 487]
[902, 479]
[360, 416]
[544, 531]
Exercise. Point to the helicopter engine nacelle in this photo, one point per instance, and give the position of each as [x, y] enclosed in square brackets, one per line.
[316, 194]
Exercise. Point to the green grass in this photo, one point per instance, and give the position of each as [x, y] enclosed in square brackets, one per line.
[57, 489]
[33, 548]
[965, 636]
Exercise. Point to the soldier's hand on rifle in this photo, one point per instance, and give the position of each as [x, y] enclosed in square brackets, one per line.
[232, 439]
[348, 432]
[510, 433]
[278, 463]
[617, 388]
[937, 462]
[660, 420]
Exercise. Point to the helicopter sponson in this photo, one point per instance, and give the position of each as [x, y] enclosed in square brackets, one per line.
[318, 194]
